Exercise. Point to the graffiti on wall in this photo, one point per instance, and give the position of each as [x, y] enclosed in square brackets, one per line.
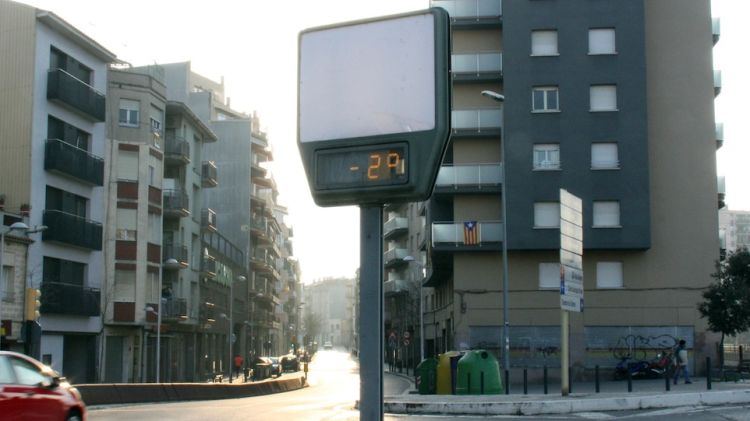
[606, 345]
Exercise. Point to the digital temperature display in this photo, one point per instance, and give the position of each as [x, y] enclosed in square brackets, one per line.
[380, 165]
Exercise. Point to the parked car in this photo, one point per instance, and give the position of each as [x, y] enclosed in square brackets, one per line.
[30, 390]
[275, 366]
[328, 345]
[289, 362]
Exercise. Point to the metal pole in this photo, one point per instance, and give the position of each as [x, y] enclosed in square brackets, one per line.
[230, 366]
[421, 321]
[2, 271]
[564, 385]
[371, 304]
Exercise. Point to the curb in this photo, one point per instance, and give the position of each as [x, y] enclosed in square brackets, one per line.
[566, 406]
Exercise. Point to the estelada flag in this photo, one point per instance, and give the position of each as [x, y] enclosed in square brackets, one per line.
[471, 233]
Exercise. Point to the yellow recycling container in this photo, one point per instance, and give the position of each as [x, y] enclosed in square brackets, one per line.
[446, 372]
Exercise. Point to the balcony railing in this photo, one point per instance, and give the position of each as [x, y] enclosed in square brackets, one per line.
[477, 66]
[174, 309]
[208, 219]
[69, 160]
[208, 267]
[395, 286]
[717, 82]
[176, 203]
[176, 149]
[458, 234]
[477, 120]
[395, 226]
[471, 9]
[209, 174]
[70, 299]
[395, 256]
[71, 229]
[175, 251]
[76, 94]
[469, 175]
[716, 29]
[719, 135]
[721, 190]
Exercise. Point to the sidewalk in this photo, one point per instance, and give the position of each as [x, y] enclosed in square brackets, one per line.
[614, 396]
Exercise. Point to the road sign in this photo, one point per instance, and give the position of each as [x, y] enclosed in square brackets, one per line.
[571, 259]
[406, 342]
[373, 108]
[571, 252]
[407, 335]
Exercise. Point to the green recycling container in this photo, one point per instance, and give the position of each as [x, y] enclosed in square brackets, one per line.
[446, 372]
[427, 376]
[478, 373]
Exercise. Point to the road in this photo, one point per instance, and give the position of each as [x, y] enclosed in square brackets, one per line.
[333, 389]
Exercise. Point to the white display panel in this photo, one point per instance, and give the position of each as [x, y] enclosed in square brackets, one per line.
[379, 79]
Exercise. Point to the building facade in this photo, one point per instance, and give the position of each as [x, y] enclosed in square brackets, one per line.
[734, 229]
[591, 105]
[53, 143]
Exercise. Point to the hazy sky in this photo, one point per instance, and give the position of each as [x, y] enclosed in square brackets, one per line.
[253, 45]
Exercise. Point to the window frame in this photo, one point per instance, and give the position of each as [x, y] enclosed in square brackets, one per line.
[129, 113]
[538, 165]
[594, 214]
[548, 268]
[545, 90]
[540, 32]
[553, 204]
[616, 164]
[598, 88]
[613, 51]
[600, 284]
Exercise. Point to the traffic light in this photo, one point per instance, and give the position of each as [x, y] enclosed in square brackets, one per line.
[33, 297]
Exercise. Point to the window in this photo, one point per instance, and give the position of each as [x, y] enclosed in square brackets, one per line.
[604, 156]
[609, 275]
[603, 97]
[60, 130]
[544, 99]
[547, 156]
[546, 215]
[602, 41]
[28, 374]
[63, 201]
[60, 60]
[64, 271]
[544, 43]
[549, 275]
[606, 214]
[156, 118]
[129, 112]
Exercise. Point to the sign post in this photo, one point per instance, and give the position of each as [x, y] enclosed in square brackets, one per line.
[571, 275]
[373, 121]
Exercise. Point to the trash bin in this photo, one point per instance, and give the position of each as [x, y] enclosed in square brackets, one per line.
[478, 373]
[446, 372]
[427, 376]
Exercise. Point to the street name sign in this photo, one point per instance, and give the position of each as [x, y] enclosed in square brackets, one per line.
[373, 108]
[571, 252]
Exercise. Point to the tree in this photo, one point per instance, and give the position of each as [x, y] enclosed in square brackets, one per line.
[726, 303]
[313, 323]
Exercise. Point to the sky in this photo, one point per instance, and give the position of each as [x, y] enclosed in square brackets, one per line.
[253, 45]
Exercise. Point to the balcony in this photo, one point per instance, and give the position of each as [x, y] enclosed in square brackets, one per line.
[721, 189]
[717, 82]
[174, 309]
[69, 160]
[69, 299]
[395, 257]
[486, 235]
[472, 13]
[719, 135]
[209, 174]
[66, 89]
[395, 226]
[71, 229]
[208, 220]
[395, 286]
[176, 150]
[208, 267]
[176, 203]
[477, 122]
[469, 178]
[479, 67]
[177, 252]
[716, 29]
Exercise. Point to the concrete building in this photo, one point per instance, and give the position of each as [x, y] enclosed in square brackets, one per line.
[330, 302]
[734, 229]
[592, 105]
[52, 139]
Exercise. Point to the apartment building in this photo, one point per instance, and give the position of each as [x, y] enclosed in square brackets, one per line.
[734, 229]
[591, 104]
[52, 138]
[328, 305]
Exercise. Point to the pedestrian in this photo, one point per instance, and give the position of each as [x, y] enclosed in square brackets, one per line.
[681, 362]
[237, 365]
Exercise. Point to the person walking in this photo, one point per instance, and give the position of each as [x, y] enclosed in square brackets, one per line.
[681, 362]
[237, 365]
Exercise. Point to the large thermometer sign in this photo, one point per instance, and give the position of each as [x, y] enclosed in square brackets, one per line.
[374, 108]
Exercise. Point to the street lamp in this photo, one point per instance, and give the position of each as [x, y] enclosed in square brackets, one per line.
[503, 192]
[21, 228]
[411, 259]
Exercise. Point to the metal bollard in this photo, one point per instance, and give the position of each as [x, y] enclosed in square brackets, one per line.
[546, 389]
[525, 382]
[596, 378]
[570, 380]
[481, 382]
[708, 373]
[666, 380]
[630, 381]
[468, 383]
[507, 383]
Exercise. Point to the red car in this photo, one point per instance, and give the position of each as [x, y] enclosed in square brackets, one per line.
[31, 391]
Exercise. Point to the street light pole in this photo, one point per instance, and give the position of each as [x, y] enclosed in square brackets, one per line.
[503, 192]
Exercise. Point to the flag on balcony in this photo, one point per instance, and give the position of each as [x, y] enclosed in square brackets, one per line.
[471, 233]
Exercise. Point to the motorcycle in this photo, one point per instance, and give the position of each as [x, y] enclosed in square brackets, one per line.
[643, 369]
